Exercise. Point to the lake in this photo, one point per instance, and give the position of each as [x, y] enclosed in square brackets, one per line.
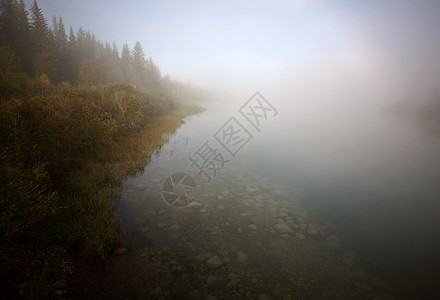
[328, 203]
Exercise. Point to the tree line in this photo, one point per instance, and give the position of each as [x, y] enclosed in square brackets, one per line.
[71, 107]
[75, 58]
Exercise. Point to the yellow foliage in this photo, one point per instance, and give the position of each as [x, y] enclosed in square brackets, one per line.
[44, 80]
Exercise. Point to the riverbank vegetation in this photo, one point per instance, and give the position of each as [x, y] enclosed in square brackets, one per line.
[76, 117]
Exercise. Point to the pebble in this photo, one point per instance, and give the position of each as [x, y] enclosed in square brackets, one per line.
[263, 297]
[211, 281]
[194, 205]
[195, 295]
[313, 232]
[214, 262]
[241, 257]
[174, 227]
[300, 236]
[282, 228]
[203, 256]
[252, 227]
[246, 214]
[233, 283]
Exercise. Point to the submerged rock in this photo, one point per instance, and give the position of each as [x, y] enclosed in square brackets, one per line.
[195, 295]
[174, 227]
[233, 283]
[241, 257]
[214, 262]
[282, 228]
[194, 205]
[252, 227]
[263, 297]
[203, 256]
[300, 236]
[211, 281]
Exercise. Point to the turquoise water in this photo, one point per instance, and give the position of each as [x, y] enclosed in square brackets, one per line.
[340, 205]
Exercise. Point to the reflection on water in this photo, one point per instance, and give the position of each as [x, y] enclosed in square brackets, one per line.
[305, 211]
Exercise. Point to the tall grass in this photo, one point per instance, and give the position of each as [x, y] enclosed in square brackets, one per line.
[87, 216]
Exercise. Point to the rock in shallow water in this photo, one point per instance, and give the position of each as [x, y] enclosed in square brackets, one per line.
[214, 262]
[195, 295]
[211, 281]
[233, 283]
[174, 227]
[282, 228]
[263, 297]
[194, 205]
[241, 257]
[252, 227]
[300, 236]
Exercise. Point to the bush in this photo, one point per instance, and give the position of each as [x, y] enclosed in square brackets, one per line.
[25, 203]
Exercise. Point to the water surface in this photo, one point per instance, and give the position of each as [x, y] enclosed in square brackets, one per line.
[340, 205]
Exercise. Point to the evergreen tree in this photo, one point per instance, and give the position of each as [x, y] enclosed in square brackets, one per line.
[74, 57]
[15, 30]
[88, 74]
[24, 50]
[81, 44]
[125, 63]
[43, 44]
[61, 50]
[138, 65]
[8, 24]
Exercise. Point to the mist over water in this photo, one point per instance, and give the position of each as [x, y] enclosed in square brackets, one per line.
[372, 176]
[357, 135]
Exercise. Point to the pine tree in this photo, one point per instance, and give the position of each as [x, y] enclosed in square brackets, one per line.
[81, 44]
[23, 50]
[138, 65]
[43, 44]
[15, 30]
[61, 50]
[8, 24]
[125, 63]
[88, 74]
[74, 57]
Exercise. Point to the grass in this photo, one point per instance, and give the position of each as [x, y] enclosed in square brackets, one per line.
[84, 220]
[88, 215]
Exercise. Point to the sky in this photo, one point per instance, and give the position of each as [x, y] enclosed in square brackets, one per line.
[270, 44]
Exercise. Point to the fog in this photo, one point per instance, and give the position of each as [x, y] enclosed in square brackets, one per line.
[356, 84]
[343, 53]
